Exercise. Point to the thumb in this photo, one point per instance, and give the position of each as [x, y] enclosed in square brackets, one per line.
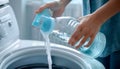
[42, 8]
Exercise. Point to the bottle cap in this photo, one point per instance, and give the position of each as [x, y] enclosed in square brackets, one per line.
[36, 21]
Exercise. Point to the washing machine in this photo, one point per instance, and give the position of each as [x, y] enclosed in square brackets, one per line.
[29, 54]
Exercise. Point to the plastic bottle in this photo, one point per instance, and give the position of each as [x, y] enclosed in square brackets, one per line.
[61, 28]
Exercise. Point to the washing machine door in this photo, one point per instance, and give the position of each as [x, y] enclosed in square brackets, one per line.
[32, 55]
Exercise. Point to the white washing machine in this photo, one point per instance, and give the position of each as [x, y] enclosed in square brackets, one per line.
[26, 54]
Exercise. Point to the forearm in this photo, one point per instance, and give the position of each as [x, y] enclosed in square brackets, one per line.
[106, 11]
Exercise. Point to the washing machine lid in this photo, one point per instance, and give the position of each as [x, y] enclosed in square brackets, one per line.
[3, 2]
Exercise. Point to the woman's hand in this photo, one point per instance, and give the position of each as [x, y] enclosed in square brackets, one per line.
[90, 24]
[57, 7]
[87, 28]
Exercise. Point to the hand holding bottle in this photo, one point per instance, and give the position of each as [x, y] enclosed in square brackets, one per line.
[87, 28]
[57, 7]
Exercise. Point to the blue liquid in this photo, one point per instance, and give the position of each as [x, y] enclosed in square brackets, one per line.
[45, 23]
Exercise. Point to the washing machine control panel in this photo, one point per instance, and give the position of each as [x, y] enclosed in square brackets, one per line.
[5, 24]
[9, 31]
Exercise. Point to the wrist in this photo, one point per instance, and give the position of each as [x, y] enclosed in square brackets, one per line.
[97, 19]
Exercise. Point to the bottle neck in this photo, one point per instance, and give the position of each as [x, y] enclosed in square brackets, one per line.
[66, 24]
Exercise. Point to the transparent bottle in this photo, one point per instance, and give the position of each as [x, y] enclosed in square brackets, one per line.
[61, 28]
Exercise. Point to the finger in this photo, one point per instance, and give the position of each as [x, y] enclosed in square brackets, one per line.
[91, 40]
[82, 41]
[75, 37]
[58, 13]
[48, 5]
[42, 8]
